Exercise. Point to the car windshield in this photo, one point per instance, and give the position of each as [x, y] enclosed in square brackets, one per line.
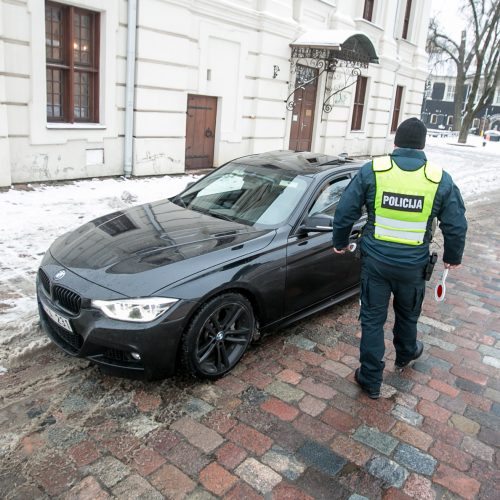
[260, 195]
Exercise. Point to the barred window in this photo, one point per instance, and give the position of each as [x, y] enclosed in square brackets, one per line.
[72, 59]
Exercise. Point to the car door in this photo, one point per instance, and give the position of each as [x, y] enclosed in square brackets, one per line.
[314, 271]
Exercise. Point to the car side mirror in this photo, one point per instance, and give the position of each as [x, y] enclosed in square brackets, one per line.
[318, 222]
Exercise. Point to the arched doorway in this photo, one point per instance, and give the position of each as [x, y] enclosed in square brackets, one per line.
[495, 122]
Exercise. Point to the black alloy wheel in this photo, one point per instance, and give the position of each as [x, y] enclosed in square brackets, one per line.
[218, 336]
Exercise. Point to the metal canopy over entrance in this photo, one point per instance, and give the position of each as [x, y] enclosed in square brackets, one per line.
[325, 51]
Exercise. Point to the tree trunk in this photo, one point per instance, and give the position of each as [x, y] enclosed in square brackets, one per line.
[459, 99]
[466, 125]
[460, 84]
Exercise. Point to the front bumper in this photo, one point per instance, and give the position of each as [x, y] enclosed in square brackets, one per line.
[109, 342]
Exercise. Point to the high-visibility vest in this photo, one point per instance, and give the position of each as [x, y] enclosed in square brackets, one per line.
[403, 200]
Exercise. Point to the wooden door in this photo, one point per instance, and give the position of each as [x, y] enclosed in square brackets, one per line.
[200, 131]
[303, 111]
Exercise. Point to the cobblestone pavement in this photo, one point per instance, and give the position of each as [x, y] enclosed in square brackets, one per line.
[288, 423]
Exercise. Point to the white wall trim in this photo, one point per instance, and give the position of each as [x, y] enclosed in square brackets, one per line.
[5, 169]
[75, 126]
[224, 10]
[210, 30]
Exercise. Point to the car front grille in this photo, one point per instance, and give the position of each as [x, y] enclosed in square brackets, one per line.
[60, 295]
[66, 298]
[44, 280]
[70, 341]
[118, 358]
[117, 355]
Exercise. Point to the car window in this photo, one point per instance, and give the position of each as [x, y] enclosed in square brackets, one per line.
[290, 193]
[260, 195]
[328, 197]
[224, 184]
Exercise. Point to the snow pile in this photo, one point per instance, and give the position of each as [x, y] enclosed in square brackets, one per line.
[32, 218]
[475, 168]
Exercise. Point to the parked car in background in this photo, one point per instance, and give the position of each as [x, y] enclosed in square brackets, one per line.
[193, 279]
[492, 135]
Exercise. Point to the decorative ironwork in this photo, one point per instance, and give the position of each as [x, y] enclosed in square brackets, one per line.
[276, 70]
[349, 56]
[309, 63]
[332, 89]
[306, 72]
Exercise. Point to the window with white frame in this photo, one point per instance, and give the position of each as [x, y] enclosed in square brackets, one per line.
[72, 63]
[434, 119]
[406, 20]
[397, 108]
[449, 120]
[359, 103]
[497, 97]
[476, 122]
[368, 10]
[450, 93]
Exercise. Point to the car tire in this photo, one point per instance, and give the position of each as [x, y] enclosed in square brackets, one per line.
[218, 336]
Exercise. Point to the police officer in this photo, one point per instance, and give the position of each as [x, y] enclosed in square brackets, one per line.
[402, 193]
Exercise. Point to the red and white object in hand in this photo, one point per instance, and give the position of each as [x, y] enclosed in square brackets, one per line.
[440, 290]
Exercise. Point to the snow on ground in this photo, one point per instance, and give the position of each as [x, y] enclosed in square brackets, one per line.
[30, 219]
[475, 168]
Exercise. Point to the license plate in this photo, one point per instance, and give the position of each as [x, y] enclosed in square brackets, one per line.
[57, 318]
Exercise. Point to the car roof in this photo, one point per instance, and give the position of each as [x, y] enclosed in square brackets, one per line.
[305, 162]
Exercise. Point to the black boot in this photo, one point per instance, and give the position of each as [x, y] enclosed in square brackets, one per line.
[418, 353]
[372, 393]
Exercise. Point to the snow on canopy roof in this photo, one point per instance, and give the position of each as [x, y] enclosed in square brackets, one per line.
[335, 39]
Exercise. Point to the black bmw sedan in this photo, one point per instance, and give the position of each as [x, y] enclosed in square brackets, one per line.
[193, 279]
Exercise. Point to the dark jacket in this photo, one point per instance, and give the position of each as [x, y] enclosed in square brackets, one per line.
[448, 208]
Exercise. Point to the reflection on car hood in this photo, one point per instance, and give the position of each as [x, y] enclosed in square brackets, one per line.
[145, 248]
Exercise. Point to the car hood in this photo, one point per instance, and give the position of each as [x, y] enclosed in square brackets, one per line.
[148, 247]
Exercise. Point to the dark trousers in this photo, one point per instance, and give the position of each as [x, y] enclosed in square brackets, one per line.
[378, 281]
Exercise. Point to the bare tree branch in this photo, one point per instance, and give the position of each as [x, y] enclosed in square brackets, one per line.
[474, 16]
[476, 57]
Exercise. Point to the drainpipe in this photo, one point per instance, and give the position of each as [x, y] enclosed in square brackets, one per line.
[130, 87]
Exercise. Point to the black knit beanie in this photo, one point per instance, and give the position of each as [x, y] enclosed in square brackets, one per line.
[411, 134]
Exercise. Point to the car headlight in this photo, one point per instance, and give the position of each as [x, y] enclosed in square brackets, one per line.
[138, 310]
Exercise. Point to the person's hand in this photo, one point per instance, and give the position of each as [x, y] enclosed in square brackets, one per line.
[340, 251]
[451, 266]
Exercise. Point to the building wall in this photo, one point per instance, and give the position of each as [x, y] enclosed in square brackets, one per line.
[5, 177]
[221, 48]
[42, 151]
[437, 111]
